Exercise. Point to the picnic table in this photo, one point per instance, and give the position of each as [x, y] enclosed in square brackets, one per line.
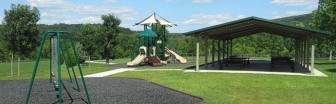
[282, 61]
[242, 62]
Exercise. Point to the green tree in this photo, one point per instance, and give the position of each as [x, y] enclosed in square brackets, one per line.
[88, 38]
[108, 40]
[21, 32]
[126, 44]
[324, 18]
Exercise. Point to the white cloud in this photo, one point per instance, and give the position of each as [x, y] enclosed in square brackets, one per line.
[207, 19]
[84, 20]
[110, 1]
[54, 10]
[289, 13]
[46, 3]
[55, 15]
[202, 1]
[169, 0]
[312, 7]
[48, 21]
[241, 16]
[294, 2]
[90, 19]
[60, 5]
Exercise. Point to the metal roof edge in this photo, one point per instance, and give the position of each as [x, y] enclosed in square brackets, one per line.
[218, 25]
[258, 19]
[294, 26]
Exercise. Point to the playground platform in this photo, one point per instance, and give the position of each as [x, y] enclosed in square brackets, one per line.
[101, 90]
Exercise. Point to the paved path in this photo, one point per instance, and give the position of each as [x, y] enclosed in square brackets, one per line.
[96, 62]
[110, 72]
[316, 72]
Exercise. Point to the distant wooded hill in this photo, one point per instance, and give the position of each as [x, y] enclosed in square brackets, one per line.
[261, 43]
[304, 20]
[75, 28]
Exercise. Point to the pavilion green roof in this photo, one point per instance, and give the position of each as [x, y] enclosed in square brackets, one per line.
[254, 25]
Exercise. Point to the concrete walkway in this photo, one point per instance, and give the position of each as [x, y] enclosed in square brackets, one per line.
[316, 72]
[95, 62]
[110, 72]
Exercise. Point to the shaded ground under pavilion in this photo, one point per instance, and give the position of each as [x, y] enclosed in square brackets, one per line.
[226, 32]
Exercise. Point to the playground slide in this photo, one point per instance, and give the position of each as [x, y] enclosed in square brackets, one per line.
[178, 57]
[137, 60]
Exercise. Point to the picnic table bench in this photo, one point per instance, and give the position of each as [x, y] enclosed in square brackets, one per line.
[242, 62]
[282, 61]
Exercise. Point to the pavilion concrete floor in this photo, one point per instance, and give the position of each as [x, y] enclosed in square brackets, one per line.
[260, 67]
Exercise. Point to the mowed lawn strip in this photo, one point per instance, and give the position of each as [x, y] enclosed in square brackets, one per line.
[26, 69]
[217, 88]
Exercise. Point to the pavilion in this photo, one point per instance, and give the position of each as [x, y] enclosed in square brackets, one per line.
[226, 32]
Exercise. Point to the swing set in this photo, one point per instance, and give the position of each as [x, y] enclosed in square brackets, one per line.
[59, 53]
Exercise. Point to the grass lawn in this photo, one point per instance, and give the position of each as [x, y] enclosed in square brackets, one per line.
[218, 88]
[26, 69]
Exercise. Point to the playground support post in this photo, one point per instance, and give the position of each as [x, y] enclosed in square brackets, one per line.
[73, 71]
[312, 59]
[197, 57]
[18, 66]
[35, 68]
[59, 69]
[12, 64]
[80, 69]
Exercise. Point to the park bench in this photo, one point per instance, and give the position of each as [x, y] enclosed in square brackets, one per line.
[282, 61]
[242, 62]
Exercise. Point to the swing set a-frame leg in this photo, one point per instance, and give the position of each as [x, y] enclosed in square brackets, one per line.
[66, 65]
[35, 68]
[79, 68]
[73, 71]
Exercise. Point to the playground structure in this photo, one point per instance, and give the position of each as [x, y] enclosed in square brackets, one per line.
[151, 48]
[59, 53]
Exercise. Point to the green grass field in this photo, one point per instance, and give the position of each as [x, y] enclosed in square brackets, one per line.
[26, 69]
[219, 88]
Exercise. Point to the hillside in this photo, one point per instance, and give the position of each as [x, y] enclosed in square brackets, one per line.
[304, 20]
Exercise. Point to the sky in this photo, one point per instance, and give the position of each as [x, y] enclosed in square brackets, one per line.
[187, 14]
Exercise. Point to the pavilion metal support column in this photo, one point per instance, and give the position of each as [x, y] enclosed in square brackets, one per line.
[219, 55]
[218, 51]
[302, 52]
[227, 51]
[213, 53]
[230, 47]
[223, 49]
[308, 52]
[197, 56]
[296, 51]
[301, 55]
[206, 52]
[300, 49]
[305, 53]
[312, 59]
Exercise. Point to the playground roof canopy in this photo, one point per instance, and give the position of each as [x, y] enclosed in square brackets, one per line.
[154, 18]
[253, 25]
[147, 33]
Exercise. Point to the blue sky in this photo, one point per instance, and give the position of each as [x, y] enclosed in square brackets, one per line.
[187, 14]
